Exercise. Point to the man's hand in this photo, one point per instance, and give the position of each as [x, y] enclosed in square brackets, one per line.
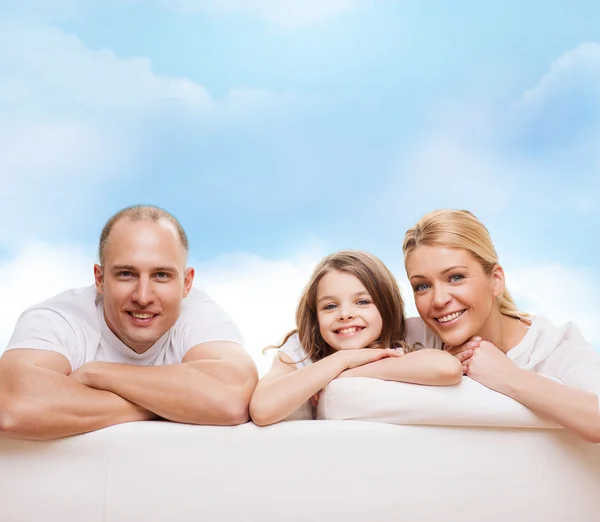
[89, 374]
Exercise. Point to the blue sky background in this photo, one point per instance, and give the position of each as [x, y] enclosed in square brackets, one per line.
[281, 131]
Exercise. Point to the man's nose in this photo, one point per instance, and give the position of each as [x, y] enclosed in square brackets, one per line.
[143, 293]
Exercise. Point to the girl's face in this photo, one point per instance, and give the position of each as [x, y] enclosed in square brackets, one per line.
[453, 295]
[348, 318]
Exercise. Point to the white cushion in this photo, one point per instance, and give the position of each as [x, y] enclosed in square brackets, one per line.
[466, 404]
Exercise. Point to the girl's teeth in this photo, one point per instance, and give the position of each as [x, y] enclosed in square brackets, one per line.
[347, 330]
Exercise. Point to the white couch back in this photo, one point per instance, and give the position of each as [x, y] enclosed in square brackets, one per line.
[301, 471]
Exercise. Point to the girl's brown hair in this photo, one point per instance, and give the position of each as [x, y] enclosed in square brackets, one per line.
[460, 229]
[377, 280]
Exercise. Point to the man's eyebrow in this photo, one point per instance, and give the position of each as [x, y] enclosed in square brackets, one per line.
[445, 271]
[131, 268]
[332, 298]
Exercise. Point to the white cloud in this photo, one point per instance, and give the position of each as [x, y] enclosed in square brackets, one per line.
[283, 12]
[73, 116]
[577, 71]
[560, 293]
[38, 272]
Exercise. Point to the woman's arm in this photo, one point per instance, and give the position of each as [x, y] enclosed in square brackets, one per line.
[575, 409]
[284, 389]
[426, 366]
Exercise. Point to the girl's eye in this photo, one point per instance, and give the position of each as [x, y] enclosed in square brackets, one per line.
[329, 307]
[364, 302]
[456, 278]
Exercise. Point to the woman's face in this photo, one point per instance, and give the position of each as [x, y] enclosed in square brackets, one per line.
[348, 318]
[453, 295]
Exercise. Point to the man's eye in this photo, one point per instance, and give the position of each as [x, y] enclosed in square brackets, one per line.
[124, 273]
[162, 275]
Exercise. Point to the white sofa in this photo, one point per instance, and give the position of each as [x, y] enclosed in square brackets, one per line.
[333, 470]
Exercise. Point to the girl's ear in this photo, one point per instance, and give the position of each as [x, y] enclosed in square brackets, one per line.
[498, 280]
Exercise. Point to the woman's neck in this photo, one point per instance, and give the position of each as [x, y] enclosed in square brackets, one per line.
[503, 331]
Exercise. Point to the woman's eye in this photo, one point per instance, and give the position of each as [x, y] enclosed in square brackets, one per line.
[456, 278]
[421, 288]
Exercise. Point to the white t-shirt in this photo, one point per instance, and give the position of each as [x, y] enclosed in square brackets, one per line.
[72, 324]
[560, 352]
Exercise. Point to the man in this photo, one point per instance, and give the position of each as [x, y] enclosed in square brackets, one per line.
[141, 344]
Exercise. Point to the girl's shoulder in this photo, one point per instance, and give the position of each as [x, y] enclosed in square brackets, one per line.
[295, 351]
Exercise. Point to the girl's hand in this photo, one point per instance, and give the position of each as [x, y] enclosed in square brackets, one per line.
[490, 366]
[354, 358]
[314, 400]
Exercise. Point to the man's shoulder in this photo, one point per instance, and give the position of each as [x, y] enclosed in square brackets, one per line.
[73, 304]
[199, 305]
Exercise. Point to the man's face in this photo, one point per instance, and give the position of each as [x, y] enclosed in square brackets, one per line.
[143, 281]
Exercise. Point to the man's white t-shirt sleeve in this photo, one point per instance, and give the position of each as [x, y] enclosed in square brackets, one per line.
[43, 329]
[204, 321]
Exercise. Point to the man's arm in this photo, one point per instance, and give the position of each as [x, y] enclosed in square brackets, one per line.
[212, 385]
[39, 401]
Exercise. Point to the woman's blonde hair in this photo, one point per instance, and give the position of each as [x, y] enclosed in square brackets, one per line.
[460, 229]
[379, 283]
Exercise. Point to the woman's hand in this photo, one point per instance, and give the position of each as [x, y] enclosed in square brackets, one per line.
[489, 366]
[464, 351]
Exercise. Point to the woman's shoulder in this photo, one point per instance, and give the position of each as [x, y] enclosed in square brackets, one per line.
[418, 332]
[546, 340]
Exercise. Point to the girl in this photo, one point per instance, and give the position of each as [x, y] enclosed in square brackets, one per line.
[460, 294]
[350, 322]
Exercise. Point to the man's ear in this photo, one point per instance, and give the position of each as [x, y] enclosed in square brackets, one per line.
[188, 281]
[99, 278]
[498, 281]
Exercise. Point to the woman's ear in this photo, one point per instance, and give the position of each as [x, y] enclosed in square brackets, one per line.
[498, 281]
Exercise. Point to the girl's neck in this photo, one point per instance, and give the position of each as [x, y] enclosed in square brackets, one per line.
[503, 331]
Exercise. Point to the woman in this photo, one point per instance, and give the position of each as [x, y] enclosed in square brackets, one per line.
[460, 294]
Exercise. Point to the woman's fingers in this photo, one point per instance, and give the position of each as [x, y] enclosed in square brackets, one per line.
[463, 356]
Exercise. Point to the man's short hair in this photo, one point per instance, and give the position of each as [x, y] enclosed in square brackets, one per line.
[141, 213]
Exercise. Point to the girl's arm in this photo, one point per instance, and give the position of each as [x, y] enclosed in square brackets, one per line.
[284, 389]
[426, 366]
[575, 409]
